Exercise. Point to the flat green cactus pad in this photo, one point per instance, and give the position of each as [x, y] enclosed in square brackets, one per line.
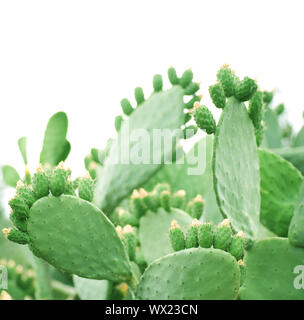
[273, 132]
[293, 155]
[194, 175]
[211, 212]
[55, 146]
[236, 168]
[163, 110]
[271, 271]
[194, 274]
[280, 186]
[75, 236]
[299, 139]
[91, 289]
[296, 227]
[154, 231]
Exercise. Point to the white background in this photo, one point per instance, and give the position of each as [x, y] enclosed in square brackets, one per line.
[82, 57]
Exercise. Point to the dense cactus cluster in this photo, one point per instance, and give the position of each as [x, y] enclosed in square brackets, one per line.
[154, 230]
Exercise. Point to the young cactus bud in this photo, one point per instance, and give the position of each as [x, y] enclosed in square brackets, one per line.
[130, 238]
[177, 237]
[196, 207]
[40, 183]
[165, 200]
[172, 76]
[237, 245]
[17, 236]
[222, 237]
[189, 131]
[5, 296]
[148, 200]
[255, 109]
[126, 217]
[20, 207]
[86, 188]
[226, 77]
[217, 95]
[138, 207]
[26, 193]
[19, 223]
[157, 83]
[192, 88]
[242, 271]
[192, 235]
[58, 180]
[126, 107]
[245, 89]
[186, 78]
[279, 109]
[267, 96]
[161, 187]
[205, 235]
[204, 118]
[178, 199]
[190, 103]
[118, 122]
[69, 188]
[139, 95]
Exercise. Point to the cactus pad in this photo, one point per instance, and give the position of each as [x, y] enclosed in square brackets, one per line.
[280, 186]
[236, 168]
[270, 271]
[75, 236]
[191, 274]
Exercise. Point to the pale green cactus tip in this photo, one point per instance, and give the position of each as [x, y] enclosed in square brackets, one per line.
[128, 238]
[192, 235]
[177, 237]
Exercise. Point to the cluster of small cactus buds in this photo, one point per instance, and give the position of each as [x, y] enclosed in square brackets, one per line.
[45, 180]
[205, 236]
[21, 280]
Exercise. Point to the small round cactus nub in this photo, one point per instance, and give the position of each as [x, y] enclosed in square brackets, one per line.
[157, 83]
[5, 296]
[217, 95]
[16, 235]
[237, 245]
[126, 107]
[222, 237]
[58, 180]
[118, 122]
[20, 207]
[137, 204]
[205, 235]
[245, 89]
[130, 238]
[126, 217]
[40, 183]
[161, 187]
[69, 189]
[26, 193]
[139, 95]
[267, 96]
[280, 109]
[172, 76]
[204, 118]
[196, 207]
[189, 131]
[255, 110]
[190, 103]
[242, 271]
[259, 133]
[186, 78]
[86, 188]
[177, 237]
[178, 199]
[27, 176]
[227, 79]
[192, 234]
[165, 200]
[19, 223]
[148, 199]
